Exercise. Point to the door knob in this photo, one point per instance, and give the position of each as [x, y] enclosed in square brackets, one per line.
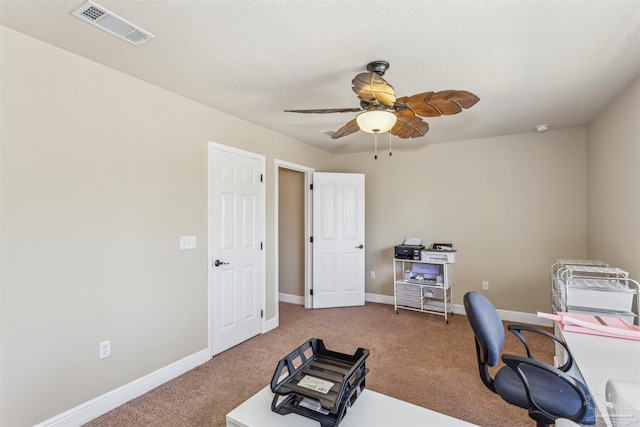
[360, 247]
[218, 263]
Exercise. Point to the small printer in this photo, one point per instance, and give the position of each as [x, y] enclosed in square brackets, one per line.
[408, 252]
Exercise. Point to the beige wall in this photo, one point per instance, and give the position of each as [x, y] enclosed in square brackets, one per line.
[100, 175]
[511, 205]
[614, 183]
[291, 232]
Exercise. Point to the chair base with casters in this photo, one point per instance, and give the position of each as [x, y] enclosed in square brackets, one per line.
[548, 393]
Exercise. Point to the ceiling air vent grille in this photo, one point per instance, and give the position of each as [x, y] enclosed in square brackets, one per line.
[113, 24]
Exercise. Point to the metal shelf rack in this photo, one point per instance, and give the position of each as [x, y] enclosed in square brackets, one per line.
[430, 292]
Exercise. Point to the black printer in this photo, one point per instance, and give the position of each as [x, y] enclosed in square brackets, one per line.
[408, 252]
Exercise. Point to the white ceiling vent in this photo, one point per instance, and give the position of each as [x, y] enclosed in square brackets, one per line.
[102, 18]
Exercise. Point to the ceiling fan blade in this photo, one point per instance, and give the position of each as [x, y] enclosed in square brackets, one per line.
[325, 110]
[348, 129]
[465, 99]
[404, 111]
[452, 101]
[418, 103]
[409, 126]
[370, 86]
[446, 102]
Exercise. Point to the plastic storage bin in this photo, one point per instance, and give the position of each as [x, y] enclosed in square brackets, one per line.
[318, 383]
[591, 287]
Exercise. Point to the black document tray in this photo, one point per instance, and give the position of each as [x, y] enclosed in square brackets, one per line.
[346, 372]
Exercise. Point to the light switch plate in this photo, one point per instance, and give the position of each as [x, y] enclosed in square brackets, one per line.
[187, 242]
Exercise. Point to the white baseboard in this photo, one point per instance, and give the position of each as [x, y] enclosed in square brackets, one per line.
[291, 299]
[92, 409]
[508, 315]
[531, 319]
[382, 299]
[296, 299]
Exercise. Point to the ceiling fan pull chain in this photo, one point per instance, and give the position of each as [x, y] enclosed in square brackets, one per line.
[375, 144]
[390, 153]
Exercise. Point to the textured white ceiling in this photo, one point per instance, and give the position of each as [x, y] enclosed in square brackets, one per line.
[530, 62]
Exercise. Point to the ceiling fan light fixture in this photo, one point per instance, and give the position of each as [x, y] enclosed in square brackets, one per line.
[376, 121]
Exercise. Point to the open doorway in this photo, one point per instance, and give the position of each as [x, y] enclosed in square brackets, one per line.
[291, 244]
[293, 232]
[336, 219]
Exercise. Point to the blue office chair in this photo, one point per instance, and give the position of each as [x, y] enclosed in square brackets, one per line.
[548, 393]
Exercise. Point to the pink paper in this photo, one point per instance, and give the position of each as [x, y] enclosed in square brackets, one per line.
[589, 324]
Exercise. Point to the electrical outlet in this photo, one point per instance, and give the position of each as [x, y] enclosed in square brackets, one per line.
[105, 349]
[187, 242]
[372, 274]
[485, 285]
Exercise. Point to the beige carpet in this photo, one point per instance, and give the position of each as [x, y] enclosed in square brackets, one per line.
[414, 357]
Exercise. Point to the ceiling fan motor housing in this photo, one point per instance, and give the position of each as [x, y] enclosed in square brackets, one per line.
[378, 67]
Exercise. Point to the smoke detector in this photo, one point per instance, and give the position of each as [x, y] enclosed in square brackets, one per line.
[542, 128]
[100, 17]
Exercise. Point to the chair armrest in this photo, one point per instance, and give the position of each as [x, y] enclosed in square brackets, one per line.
[516, 362]
[517, 331]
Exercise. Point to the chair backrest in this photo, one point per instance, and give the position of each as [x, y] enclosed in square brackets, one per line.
[489, 333]
[487, 327]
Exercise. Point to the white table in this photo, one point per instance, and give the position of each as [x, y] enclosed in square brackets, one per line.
[600, 359]
[370, 409]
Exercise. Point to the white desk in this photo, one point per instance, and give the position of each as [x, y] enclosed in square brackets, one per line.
[370, 409]
[600, 359]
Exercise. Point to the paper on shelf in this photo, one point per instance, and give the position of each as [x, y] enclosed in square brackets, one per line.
[313, 404]
[595, 325]
[317, 384]
[413, 241]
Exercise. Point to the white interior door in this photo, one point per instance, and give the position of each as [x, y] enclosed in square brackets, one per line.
[338, 240]
[236, 234]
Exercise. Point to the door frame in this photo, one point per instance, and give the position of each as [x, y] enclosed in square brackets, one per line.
[263, 212]
[308, 211]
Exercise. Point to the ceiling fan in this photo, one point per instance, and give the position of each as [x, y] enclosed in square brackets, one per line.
[380, 110]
